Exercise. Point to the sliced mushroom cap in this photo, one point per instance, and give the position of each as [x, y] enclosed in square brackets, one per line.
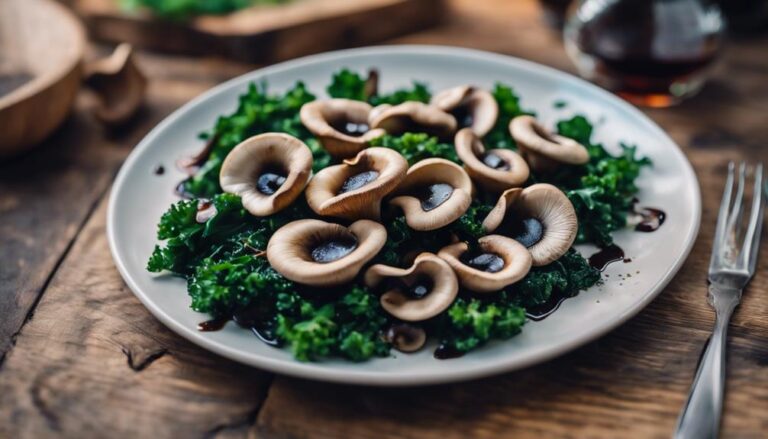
[341, 125]
[354, 189]
[541, 217]
[267, 171]
[421, 292]
[472, 107]
[544, 149]
[406, 337]
[415, 117]
[498, 263]
[435, 193]
[497, 169]
[321, 254]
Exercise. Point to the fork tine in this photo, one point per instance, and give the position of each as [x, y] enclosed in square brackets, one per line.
[735, 218]
[722, 218]
[752, 237]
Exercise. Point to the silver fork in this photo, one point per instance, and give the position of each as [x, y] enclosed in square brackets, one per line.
[730, 270]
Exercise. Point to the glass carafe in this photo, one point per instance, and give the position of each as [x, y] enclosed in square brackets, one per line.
[651, 52]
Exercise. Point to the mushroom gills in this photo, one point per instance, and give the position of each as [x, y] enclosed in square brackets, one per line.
[350, 128]
[270, 181]
[483, 261]
[405, 337]
[334, 249]
[358, 180]
[526, 231]
[418, 288]
[464, 116]
[495, 162]
[433, 195]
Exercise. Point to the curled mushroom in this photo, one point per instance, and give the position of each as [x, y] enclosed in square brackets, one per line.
[435, 193]
[341, 125]
[543, 149]
[267, 171]
[472, 107]
[417, 293]
[354, 189]
[540, 217]
[497, 263]
[405, 337]
[322, 254]
[414, 117]
[495, 169]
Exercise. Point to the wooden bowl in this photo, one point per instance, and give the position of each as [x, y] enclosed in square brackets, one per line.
[41, 69]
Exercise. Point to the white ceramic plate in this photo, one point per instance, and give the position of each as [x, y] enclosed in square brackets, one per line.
[139, 198]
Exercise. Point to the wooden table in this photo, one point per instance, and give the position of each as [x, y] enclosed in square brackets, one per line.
[81, 357]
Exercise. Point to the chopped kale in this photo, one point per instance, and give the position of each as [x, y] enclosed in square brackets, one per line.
[350, 85]
[509, 108]
[417, 146]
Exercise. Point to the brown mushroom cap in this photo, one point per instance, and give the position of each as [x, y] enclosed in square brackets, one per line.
[550, 206]
[324, 190]
[270, 152]
[327, 118]
[406, 337]
[290, 249]
[478, 106]
[416, 117]
[471, 151]
[444, 287]
[423, 175]
[517, 263]
[543, 149]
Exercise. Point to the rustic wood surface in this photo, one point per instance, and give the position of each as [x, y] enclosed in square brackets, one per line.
[264, 33]
[83, 358]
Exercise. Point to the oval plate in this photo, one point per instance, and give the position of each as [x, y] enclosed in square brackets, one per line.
[139, 198]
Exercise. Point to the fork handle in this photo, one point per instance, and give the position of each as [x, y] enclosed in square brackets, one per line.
[700, 418]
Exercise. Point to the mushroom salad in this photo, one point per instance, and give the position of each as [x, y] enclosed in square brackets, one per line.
[366, 222]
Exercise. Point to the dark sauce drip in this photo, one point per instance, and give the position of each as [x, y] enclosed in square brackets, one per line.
[351, 128]
[433, 195]
[495, 162]
[652, 219]
[159, 170]
[487, 262]
[546, 309]
[463, 115]
[212, 325]
[445, 352]
[11, 81]
[269, 182]
[606, 255]
[527, 231]
[358, 180]
[253, 318]
[205, 211]
[405, 337]
[334, 250]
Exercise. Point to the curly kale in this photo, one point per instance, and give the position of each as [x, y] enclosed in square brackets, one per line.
[258, 112]
[602, 190]
[509, 108]
[471, 322]
[350, 85]
[417, 146]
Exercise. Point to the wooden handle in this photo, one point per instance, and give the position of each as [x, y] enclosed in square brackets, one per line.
[119, 84]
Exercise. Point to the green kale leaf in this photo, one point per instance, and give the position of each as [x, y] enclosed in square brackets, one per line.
[347, 84]
[509, 108]
[417, 146]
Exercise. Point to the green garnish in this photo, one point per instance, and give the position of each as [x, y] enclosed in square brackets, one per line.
[185, 9]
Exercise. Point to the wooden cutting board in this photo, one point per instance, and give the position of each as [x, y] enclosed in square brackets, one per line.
[264, 33]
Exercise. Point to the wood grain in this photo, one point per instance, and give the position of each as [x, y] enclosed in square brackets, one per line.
[92, 362]
[265, 33]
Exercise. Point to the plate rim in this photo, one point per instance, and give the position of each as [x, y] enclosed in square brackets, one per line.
[362, 377]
